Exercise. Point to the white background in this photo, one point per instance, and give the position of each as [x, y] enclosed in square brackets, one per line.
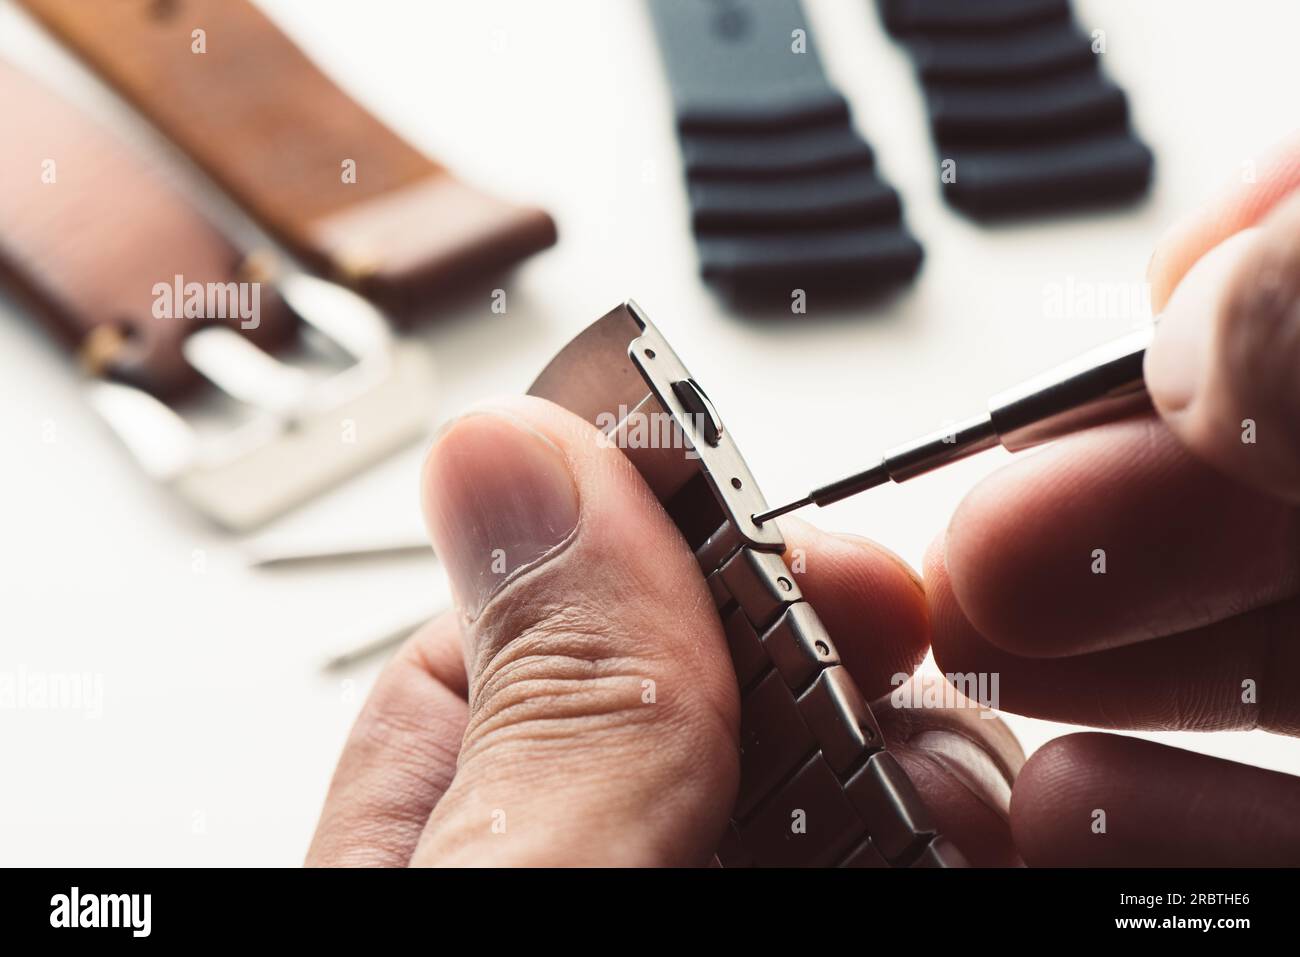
[219, 727]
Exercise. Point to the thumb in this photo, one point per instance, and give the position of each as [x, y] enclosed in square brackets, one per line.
[1222, 367]
[603, 710]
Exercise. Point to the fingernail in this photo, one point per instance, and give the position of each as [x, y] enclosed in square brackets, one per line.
[499, 500]
[1179, 358]
[1176, 360]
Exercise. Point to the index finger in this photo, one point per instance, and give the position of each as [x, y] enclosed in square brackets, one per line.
[1266, 182]
[1113, 537]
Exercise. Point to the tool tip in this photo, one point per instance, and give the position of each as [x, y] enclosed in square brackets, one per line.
[761, 517]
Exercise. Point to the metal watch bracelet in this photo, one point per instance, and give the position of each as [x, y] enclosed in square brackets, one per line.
[817, 786]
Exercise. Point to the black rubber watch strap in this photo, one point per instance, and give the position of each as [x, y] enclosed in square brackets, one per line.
[749, 156]
[1022, 116]
[843, 197]
[998, 115]
[760, 260]
[966, 16]
[784, 194]
[730, 66]
[1029, 53]
[1094, 169]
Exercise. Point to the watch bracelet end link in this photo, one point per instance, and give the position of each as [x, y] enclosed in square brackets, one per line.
[817, 785]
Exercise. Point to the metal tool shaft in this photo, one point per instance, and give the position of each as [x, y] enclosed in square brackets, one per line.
[1102, 385]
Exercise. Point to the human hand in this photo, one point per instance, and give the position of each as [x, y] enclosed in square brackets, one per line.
[517, 731]
[1194, 624]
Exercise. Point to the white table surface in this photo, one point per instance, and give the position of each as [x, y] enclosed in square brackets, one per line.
[219, 729]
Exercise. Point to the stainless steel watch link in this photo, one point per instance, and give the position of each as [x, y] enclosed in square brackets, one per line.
[817, 786]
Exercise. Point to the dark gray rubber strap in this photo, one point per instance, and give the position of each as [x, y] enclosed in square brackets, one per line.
[1086, 172]
[731, 65]
[965, 16]
[836, 198]
[783, 190]
[1069, 104]
[1015, 55]
[856, 256]
[749, 156]
[1023, 119]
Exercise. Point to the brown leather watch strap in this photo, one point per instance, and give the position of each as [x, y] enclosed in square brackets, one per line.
[88, 230]
[271, 128]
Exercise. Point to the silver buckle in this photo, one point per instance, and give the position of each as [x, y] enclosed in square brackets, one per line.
[308, 436]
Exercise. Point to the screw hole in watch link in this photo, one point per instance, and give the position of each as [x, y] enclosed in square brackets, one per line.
[823, 649]
[649, 353]
[735, 483]
[785, 583]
